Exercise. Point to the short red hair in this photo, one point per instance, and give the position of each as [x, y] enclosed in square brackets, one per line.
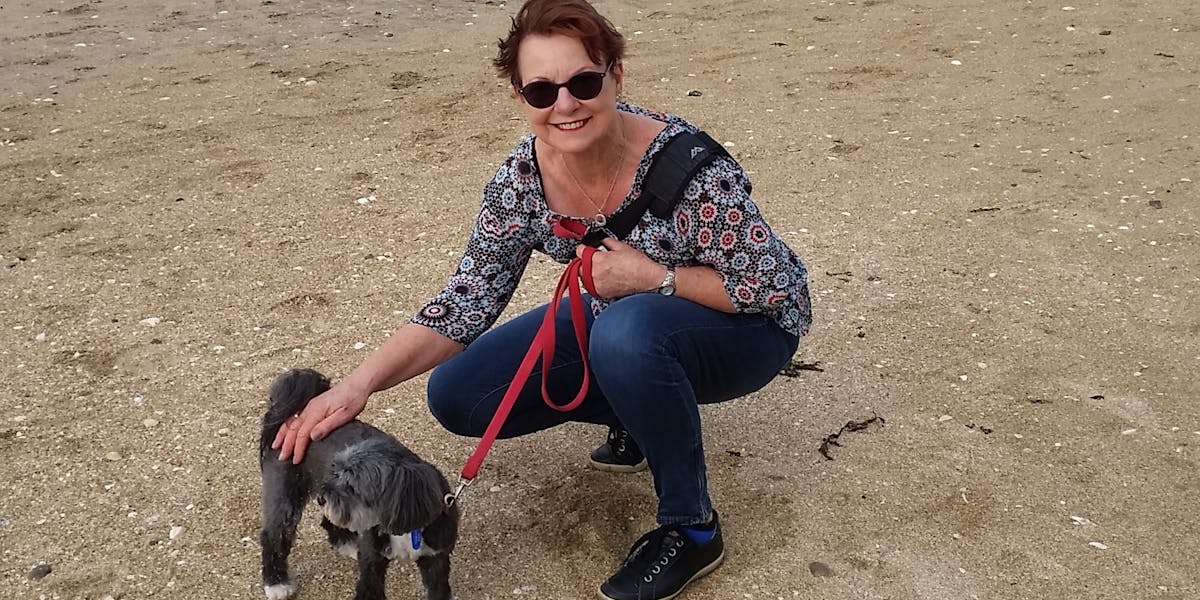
[574, 18]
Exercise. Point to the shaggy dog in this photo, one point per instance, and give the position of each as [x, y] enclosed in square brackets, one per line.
[379, 500]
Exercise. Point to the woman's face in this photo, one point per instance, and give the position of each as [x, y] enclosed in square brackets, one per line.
[570, 124]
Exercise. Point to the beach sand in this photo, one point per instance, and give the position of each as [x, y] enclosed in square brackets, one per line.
[997, 201]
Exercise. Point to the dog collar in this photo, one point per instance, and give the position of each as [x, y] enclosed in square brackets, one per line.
[414, 537]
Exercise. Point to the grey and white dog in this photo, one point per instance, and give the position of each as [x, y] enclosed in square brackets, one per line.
[379, 500]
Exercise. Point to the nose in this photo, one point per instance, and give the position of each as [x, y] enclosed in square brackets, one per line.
[320, 500]
[565, 102]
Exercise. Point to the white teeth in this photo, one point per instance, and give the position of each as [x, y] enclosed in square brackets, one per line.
[572, 125]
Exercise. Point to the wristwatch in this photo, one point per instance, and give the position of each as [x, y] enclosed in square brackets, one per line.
[667, 287]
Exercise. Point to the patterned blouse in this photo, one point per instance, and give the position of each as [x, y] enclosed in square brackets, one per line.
[716, 224]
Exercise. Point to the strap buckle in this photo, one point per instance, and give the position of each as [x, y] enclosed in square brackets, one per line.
[452, 497]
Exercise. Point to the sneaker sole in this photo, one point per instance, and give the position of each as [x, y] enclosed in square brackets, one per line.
[599, 466]
[701, 573]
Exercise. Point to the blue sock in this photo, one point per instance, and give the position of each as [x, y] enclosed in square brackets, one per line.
[701, 534]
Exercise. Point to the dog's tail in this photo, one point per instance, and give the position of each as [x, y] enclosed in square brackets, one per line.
[290, 393]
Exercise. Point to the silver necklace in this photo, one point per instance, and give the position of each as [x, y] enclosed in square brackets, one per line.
[600, 220]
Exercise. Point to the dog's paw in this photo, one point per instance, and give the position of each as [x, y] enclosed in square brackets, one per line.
[280, 591]
[347, 549]
[395, 549]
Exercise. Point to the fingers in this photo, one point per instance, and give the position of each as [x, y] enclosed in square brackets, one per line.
[301, 438]
[334, 420]
[279, 437]
[297, 432]
[286, 438]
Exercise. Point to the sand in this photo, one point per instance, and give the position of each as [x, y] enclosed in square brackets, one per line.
[997, 201]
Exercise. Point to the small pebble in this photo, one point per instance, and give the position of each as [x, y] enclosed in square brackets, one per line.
[1098, 545]
[820, 569]
[39, 571]
[113, 456]
[175, 532]
[150, 422]
[150, 321]
[695, 93]
[224, 431]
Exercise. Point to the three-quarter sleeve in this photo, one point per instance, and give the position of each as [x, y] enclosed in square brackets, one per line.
[726, 231]
[496, 255]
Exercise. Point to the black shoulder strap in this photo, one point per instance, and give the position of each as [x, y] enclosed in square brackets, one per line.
[674, 166]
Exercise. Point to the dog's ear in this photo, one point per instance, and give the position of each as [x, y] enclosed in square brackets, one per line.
[295, 387]
[414, 497]
[289, 394]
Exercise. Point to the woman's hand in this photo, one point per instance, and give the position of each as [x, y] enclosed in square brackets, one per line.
[323, 414]
[623, 270]
[409, 351]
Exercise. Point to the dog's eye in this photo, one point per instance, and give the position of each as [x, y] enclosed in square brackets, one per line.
[344, 480]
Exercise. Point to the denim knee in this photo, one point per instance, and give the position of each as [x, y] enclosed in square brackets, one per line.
[449, 403]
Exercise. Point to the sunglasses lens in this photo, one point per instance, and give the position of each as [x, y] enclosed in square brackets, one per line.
[540, 94]
[584, 86]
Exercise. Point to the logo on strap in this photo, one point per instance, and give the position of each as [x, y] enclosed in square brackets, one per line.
[696, 150]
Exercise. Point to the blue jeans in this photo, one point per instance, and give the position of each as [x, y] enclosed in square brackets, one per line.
[654, 359]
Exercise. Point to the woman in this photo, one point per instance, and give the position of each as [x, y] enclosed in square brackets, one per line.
[704, 306]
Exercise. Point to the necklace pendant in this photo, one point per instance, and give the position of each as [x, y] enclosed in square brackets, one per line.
[599, 220]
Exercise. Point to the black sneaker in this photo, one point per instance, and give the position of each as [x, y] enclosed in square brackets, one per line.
[619, 453]
[662, 563]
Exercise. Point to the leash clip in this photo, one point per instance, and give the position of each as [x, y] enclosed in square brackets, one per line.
[452, 497]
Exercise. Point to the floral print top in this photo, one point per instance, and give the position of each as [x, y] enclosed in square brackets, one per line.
[716, 224]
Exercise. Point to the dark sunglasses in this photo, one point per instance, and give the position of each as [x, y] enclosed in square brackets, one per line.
[543, 94]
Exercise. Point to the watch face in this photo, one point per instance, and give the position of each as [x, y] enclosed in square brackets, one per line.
[668, 285]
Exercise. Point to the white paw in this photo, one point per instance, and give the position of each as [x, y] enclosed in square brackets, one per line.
[395, 550]
[348, 550]
[280, 591]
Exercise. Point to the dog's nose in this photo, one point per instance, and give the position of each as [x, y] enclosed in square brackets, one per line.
[320, 500]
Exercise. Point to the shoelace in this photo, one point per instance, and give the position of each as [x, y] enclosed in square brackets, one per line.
[616, 439]
[668, 542]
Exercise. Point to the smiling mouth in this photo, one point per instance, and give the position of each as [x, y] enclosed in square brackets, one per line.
[572, 126]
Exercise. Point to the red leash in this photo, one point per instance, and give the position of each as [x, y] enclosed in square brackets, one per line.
[543, 345]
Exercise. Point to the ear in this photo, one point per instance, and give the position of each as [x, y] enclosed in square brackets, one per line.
[413, 498]
[618, 75]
